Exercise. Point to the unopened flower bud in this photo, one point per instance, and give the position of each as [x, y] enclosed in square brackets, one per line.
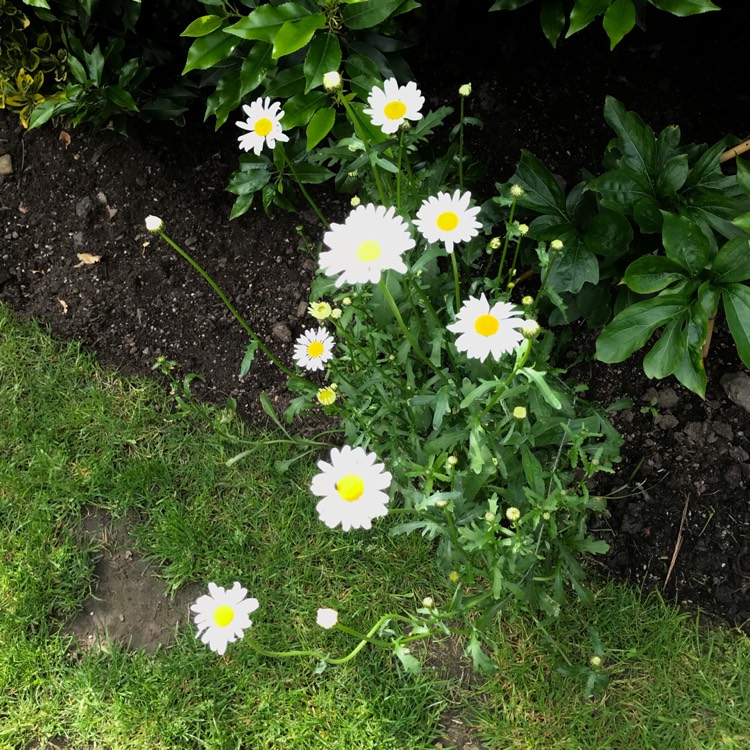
[516, 191]
[489, 516]
[336, 313]
[346, 301]
[495, 243]
[441, 503]
[355, 201]
[556, 245]
[527, 300]
[427, 602]
[465, 90]
[530, 329]
[453, 576]
[512, 514]
[154, 224]
[452, 460]
[519, 412]
[523, 229]
[319, 310]
[595, 661]
[332, 80]
[354, 172]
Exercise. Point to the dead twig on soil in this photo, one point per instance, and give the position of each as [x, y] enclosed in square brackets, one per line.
[678, 543]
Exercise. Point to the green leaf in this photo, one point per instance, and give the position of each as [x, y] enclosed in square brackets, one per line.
[574, 267]
[691, 372]
[286, 84]
[618, 21]
[294, 35]
[533, 471]
[509, 4]
[537, 378]
[608, 234]
[636, 139]
[633, 327]
[312, 174]
[251, 180]
[77, 69]
[621, 189]
[265, 21]
[369, 13]
[208, 50]
[300, 108]
[542, 193]
[684, 7]
[685, 243]
[652, 274]
[323, 56]
[319, 126]
[584, 12]
[247, 360]
[119, 96]
[743, 175]
[241, 205]
[736, 299]
[732, 262]
[95, 64]
[254, 67]
[202, 26]
[743, 222]
[647, 214]
[552, 18]
[666, 355]
[707, 170]
[673, 176]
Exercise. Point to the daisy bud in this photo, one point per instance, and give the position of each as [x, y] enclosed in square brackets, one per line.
[453, 576]
[512, 514]
[523, 229]
[327, 618]
[519, 412]
[427, 602]
[346, 301]
[336, 313]
[319, 310]
[546, 516]
[154, 224]
[495, 461]
[489, 516]
[452, 460]
[495, 243]
[556, 245]
[355, 201]
[516, 191]
[326, 396]
[527, 300]
[595, 661]
[465, 90]
[441, 503]
[511, 285]
[353, 173]
[530, 329]
[332, 81]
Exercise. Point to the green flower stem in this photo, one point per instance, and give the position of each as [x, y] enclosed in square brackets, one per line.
[307, 195]
[455, 280]
[520, 362]
[254, 336]
[461, 146]
[425, 299]
[407, 333]
[552, 259]
[505, 244]
[515, 258]
[362, 636]
[282, 654]
[354, 117]
[398, 174]
[454, 534]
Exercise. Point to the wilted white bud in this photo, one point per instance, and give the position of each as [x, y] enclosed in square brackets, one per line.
[465, 90]
[332, 81]
[154, 224]
[327, 618]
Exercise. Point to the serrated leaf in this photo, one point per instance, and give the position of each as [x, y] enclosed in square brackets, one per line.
[294, 35]
[618, 21]
[323, 56]
[247, 359]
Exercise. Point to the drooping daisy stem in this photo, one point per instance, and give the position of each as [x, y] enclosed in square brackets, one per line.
[407, 334]
[505, 244]
[307, 195]
[254, 336]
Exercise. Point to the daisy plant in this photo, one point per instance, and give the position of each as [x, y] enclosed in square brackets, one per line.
[454, 422]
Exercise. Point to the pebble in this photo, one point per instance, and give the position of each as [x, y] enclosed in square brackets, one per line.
[667, 421]
[6, 164]
[737, 387]
[83, 207]
[282, 332]
[667, 398]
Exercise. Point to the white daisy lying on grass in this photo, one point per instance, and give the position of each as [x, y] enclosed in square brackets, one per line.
[352, 489]
[448, 218]
[487, 329]
[393, 104]
[327, 618]
[370, 241]
[264, 125]
[313, 349]
[221, 616]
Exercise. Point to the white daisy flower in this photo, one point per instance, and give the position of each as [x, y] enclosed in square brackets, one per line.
[370, 241]
[448, 218]
[393, 104]
[352, 489]
[221, 616]
[154, 224]
[487, 329]
[327, 618]
[264, 123]
[313, 349]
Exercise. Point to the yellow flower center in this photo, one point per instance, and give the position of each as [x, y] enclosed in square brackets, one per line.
[315, 349]
[350, 487]
[395, 110]
[447, 221]
[263, 127]
[486, 325]
[223, 615]
[368, 250]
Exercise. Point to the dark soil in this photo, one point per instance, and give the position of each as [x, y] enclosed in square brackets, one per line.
[686, 460]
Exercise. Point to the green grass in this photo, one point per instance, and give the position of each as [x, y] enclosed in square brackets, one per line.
[73, 436]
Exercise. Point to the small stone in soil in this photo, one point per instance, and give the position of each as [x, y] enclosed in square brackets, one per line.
[737, 387]
[282, 332]
[6, 164]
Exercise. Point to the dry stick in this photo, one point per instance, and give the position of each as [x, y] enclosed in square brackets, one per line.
[678, 543]
[707, 344]
[736, 151]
